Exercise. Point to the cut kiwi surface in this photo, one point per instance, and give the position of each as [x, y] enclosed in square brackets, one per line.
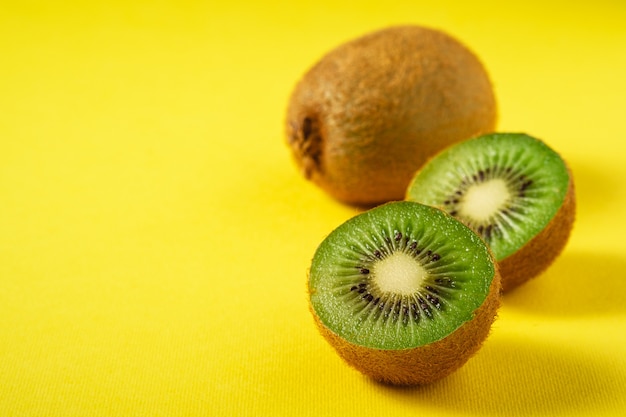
[404, 292]
[511, 189]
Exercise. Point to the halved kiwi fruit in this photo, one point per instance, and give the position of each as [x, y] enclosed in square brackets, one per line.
[510, 188]
[370, 112]
[404, 292]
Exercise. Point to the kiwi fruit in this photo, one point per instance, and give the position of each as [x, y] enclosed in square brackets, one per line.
[404, 292]
[513, 190]
[369, 113]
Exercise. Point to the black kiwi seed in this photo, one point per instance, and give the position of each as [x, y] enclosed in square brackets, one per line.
[414, 309]
[397, 307]
[431, 289]
[434, 301]
[425, 307]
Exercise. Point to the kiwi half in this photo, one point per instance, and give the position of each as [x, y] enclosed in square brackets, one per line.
[370, 112]
[511, 189]
[404, 292]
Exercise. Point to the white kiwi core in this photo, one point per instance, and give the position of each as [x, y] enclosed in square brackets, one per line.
[482, 201]
[399, 273]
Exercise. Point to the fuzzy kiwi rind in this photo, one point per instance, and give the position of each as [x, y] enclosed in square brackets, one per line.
[533, 223]
[453, 308]
[370, 112]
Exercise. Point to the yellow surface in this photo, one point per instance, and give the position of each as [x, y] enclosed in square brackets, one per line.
[154, 233]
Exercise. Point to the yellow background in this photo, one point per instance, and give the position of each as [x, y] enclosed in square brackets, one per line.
[155, 234]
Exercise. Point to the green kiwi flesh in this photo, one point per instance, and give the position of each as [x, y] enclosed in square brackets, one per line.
[401, 277]
[508, 187]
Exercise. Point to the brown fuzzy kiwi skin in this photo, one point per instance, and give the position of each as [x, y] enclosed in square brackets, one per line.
[540, 252]
[425, 364]
[370, 113]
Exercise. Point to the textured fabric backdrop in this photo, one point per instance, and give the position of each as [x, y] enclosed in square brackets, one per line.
[155, 234]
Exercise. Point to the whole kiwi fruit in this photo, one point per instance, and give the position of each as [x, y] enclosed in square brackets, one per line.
[404, 292]
[369, 113]
[513, 190]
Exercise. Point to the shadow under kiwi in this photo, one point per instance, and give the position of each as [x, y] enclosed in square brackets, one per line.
[577, 284]
[522, 378]
[595, 189]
